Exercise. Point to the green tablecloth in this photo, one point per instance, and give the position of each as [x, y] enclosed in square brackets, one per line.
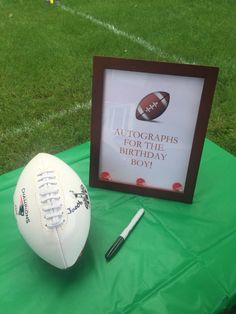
[181, 258]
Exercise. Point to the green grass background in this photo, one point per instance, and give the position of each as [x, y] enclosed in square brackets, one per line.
[46, 64]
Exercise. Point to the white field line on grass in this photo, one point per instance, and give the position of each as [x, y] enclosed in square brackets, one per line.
[135, 39]
[29, 127]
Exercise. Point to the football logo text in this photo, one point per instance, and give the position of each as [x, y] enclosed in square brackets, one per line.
[23, 208]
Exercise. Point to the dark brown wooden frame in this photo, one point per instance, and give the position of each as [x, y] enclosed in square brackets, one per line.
[100, 64]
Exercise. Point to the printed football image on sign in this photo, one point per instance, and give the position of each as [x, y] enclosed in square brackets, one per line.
[152, 106]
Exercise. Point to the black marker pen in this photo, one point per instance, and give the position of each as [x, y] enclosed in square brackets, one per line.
[124, 234]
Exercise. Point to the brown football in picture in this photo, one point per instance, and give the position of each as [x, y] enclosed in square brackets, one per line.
[152, 106]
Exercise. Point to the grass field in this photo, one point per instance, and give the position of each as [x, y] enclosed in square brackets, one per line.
[46, 56]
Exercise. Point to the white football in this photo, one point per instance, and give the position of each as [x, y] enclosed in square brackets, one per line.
[52, 210]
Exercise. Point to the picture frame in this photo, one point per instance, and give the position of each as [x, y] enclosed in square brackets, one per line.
[148, 125]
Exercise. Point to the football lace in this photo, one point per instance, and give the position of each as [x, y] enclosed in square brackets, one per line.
[50, 199]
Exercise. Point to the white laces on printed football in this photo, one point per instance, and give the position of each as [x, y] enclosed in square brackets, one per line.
[50, 199]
